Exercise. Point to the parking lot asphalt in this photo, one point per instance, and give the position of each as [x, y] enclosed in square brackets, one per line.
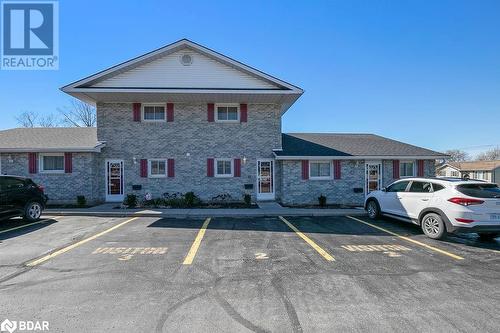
[286, 274]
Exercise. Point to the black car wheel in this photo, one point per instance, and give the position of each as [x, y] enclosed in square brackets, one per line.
[33, 211]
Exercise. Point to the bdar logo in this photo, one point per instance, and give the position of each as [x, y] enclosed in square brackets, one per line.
[8, 326]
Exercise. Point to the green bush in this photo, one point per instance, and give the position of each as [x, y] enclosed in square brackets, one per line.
[247, 198]
[81, 201]
[130, 200]
[191, 199]
[322, 200]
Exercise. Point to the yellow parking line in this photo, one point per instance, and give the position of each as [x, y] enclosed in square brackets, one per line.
[432, 248]
[309, 241]
[196, 244]
[72, 246]
[27, 225]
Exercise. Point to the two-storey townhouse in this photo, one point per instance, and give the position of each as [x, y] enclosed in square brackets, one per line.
[186, 118]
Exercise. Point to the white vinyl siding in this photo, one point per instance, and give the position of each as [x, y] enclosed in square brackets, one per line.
[169, 72]
[51, 163]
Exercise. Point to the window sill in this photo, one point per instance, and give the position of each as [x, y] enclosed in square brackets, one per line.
[52, 172]
[227, 121]
[321, 178]
[157, 176]
[223, 176]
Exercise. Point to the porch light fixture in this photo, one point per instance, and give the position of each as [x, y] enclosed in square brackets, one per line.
[244, 160]
[134, 159]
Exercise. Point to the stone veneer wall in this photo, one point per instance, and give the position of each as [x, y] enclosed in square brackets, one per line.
[60, 187]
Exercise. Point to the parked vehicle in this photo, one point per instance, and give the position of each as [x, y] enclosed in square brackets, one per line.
[440, 205]
[20, 196]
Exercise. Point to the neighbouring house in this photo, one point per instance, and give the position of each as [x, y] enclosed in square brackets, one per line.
[482, 170]
[186, 118]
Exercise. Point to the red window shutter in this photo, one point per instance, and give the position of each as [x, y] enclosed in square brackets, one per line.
[170, 112]
[144, 168]
[237, 167]
[68, 162]
[337, 169]
[171, 168]
[243, 113]
[136, 107]
[420, 168]
[210, 112]
[32, 162]
[210, 167]
[395, 169]
[305, 169]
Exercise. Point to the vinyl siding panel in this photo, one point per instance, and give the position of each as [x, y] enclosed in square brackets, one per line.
[168, 72]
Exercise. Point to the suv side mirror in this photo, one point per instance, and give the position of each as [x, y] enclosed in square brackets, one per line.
[384, 189]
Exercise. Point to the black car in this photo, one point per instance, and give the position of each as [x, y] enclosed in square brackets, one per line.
[20, 196]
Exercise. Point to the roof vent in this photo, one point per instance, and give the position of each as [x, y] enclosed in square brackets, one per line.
[186, 59]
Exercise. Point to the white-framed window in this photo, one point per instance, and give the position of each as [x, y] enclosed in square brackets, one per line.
[320, 169]
[407, 169]
[227, 113]
[51, 163]
[480, 175]
[454, 173]
[157, 168]
[224, 167]
[153, 112]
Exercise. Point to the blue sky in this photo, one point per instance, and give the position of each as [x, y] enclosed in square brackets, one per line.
[424, 72]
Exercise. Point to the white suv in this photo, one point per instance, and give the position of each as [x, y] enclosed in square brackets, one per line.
[440, 205]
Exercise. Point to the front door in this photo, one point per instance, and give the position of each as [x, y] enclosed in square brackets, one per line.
[265, 179]
[373, 176]
[114, 180]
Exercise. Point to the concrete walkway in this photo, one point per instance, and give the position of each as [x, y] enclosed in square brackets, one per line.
[265, 210]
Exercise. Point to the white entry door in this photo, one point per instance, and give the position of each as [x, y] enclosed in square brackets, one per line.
[265, 179]
[114, 180]
[373, 176]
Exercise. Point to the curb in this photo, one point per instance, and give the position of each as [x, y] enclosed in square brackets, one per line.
[204, 215]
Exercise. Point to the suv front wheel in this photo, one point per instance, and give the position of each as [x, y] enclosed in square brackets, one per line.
[433, 226]
[33, 211]
[372, 209]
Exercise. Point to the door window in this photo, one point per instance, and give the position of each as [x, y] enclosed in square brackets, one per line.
[420, 187]
[12, 184]
[398, 187]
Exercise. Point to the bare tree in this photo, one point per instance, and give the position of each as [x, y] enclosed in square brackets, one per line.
[27, 119]
[47, 121]
[79, 114]
[490, 155]
[457, 155]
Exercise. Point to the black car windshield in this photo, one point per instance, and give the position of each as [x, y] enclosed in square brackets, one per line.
[480, 190]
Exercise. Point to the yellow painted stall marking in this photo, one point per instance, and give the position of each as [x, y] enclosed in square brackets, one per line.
[196, 244]
[432, 248]
[309, 241]
[72, 246]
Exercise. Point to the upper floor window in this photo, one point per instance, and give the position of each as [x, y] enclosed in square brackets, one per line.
[320, 169]
[52, 163]
[227, 113]
[157, 168]
[153, 112]
[223, 167]
[407, 169]
[454, 174]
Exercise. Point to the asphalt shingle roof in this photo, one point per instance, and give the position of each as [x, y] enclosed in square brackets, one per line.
[476, 165]
[53, 138]
[344, 145]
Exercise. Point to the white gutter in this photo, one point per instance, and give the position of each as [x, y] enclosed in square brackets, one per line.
[96, 149]
[359, 157]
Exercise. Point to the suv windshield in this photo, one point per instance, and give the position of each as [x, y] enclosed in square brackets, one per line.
[480, 190]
